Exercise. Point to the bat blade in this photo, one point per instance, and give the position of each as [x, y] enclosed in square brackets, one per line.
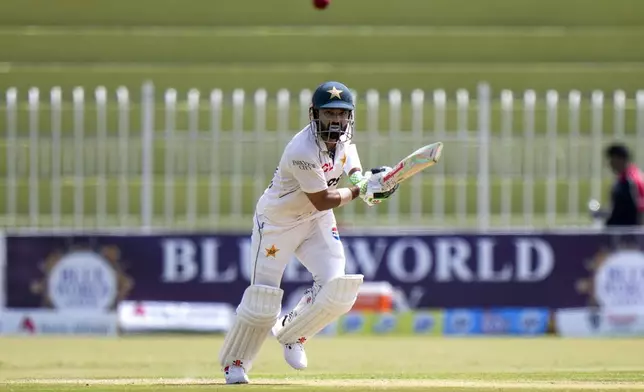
[415, 162]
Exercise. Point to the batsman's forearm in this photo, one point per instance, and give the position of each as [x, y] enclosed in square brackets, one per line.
[355, 192]
[339, 199]
[334, 198]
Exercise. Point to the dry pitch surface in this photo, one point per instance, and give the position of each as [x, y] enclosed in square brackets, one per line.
[188, 363]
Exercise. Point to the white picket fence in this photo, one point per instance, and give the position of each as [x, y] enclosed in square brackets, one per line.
[58, 174]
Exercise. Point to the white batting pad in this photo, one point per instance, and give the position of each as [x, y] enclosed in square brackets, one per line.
[259, 308]
[332, 301]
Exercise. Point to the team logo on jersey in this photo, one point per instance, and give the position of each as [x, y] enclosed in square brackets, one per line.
[303, 165]
[335, 233]
[333, 181]
[327, 167]
[272, 251]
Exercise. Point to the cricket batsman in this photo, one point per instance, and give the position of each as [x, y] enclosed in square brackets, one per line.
[294, 216]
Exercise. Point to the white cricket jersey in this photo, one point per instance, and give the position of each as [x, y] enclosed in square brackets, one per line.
[305, 166]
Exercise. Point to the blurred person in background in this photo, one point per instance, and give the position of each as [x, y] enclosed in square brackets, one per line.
[627, 193]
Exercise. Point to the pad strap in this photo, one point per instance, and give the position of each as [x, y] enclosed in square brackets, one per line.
[333, 300]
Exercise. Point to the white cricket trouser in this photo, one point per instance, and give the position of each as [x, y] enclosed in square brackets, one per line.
[315, 243]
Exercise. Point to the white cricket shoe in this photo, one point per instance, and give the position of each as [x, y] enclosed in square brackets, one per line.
[235, 375]
[295, 355]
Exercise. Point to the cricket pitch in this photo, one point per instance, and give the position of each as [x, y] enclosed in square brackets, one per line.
[187, 363]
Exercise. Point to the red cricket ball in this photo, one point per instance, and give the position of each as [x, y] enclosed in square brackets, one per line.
[321, 4]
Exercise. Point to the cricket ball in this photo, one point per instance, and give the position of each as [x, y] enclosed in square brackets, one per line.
[321, 4]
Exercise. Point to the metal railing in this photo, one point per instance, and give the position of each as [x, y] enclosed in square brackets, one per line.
[199, 160]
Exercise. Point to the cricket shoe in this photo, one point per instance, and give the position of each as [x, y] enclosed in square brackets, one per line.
[235, 375]
[294, 353]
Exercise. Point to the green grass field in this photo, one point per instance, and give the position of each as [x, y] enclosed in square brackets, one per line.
[360, 75]
[188, 13]
[425, 44]
[187, 363]
[260, 45]
[408, 45]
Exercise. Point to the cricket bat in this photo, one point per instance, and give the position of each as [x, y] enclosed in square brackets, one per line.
[415, 162]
